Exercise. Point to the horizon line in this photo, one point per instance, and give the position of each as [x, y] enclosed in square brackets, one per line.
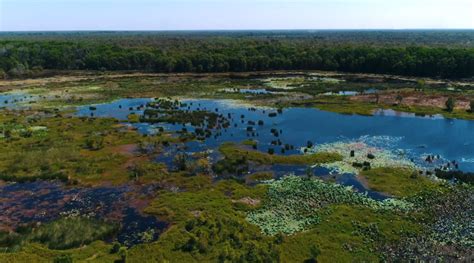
[232, 30]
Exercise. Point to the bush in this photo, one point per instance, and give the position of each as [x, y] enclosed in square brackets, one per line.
[72, 232]
[457, 175]
[63, 259]
[115, 248]
[10, 242]
[3, 75]
[94, 143]
[450, 104]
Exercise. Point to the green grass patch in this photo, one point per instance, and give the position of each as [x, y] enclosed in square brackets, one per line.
[399, 182]
[207, 225]
[347, 234]
[294, 203]
[82, 150]
[233, 151]
[260, 176]
[97, 251]
[338, 104]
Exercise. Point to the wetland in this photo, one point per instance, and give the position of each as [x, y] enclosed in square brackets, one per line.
[243, 166]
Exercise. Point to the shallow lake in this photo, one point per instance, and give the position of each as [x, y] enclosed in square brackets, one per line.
[415, 136]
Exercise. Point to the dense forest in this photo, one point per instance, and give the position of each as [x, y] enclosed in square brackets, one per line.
[446, 54]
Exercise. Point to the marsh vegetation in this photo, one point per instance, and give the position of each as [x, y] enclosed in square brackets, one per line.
[269, 166]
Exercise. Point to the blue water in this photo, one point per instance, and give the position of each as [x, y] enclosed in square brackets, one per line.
[452, 139]
[118, 109]
[15, 100]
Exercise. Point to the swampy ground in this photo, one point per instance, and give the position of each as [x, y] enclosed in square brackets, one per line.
[222, 167]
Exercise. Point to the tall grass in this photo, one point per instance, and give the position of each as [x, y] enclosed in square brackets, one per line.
[72, 232]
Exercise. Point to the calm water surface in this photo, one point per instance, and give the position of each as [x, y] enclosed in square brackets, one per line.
[416, 136]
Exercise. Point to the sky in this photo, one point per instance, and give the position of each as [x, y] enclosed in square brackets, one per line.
[46, 15]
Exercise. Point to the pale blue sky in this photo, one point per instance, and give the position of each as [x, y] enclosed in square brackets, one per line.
[236, 14]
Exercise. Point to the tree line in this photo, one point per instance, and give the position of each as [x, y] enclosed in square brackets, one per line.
[21, 57]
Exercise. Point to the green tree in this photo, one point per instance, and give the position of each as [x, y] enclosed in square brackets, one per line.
[94, 142]
[3, 75]
[450, 104]
[314, 254]
[421, 84]
[471, 106]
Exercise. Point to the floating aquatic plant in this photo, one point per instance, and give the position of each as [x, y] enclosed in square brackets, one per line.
[366, 151]
[294, 204]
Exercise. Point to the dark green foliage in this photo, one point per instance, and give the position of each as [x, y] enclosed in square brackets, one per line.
[10, 242]
[471, 106]
[445, 54]
[115, 248]
[196, 118]
[44, 176]
[315, 252]
[450, 104]
[457, 175]
[64, 233]
[72, 232]
[94, 142]
[230, 238]
[234, 166]
[181, 161]
[63, 259]
[123, 255]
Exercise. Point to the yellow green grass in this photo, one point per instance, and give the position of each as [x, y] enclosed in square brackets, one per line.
[88, 151]
[337, 237]
[97, 251]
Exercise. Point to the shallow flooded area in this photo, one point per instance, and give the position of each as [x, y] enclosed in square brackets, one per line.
[41, 201]
[409, 136]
